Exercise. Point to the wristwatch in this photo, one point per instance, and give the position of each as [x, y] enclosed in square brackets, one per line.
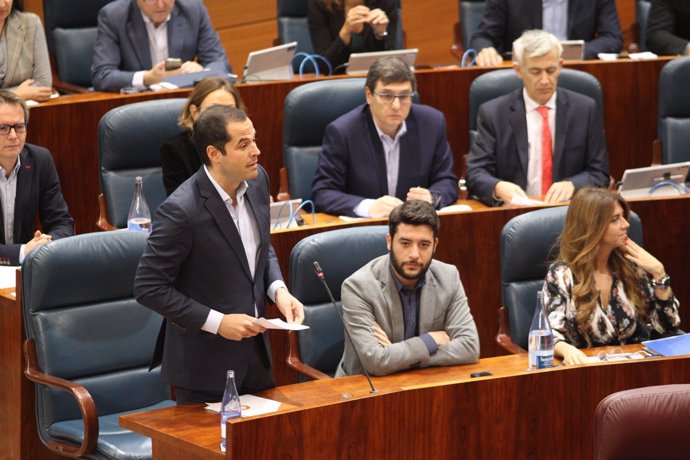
[663, 284]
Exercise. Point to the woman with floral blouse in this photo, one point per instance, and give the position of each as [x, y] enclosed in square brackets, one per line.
[604, 289]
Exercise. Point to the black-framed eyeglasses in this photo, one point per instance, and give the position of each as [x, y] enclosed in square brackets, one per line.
[388, 98]
[18, 128]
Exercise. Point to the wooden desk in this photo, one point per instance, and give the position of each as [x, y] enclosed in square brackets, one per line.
[68, 126]
[470, 241]
[430, 413]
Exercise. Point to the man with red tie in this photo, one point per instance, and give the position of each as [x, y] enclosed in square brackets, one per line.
[539, 140]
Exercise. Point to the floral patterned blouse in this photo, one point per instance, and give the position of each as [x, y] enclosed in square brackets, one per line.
[615, 324]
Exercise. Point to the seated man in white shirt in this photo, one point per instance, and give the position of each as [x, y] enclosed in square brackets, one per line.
[135, 37]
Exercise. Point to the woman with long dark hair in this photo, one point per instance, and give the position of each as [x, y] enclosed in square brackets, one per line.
[604, 289]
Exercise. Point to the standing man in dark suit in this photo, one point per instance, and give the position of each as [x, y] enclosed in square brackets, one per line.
[135, 37]
[29, 187]
[594, 21]
[668, 27]
[209, 264]
[385, 151]
[537, 140]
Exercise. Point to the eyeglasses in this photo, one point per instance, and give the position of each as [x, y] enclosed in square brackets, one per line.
[19, 128]
[387, 98]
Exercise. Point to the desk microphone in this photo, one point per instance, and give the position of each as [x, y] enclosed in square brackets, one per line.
[319, 273]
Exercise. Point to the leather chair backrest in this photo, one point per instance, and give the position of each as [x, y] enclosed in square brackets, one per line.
[70, 14]
[674, 110]
[471, 13]
[528, 245]
[292, 24]
[79, 307]
[643, 423]
[308, 110]
[496, 83]
[129, 141]
[74, 54]
[340, 253]
[642, 14]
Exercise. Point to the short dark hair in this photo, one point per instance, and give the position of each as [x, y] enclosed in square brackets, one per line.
[390, 70]
[11, 98]
[414, 212]
[211, 128]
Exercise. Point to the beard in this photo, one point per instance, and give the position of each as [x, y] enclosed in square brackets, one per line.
[400, 269]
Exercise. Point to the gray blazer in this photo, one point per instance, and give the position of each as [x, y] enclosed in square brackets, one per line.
[122, 46]
[370, 296]
[27, 51]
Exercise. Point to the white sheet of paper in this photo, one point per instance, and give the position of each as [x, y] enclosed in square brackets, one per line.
[277, 323]
[454, 208]
[351, 219]
[519, 200]
[8, 277]
[251, 406]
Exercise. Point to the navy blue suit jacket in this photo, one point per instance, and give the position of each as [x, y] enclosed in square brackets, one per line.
[501, 151]
[594, 21]
[194, 261]
[38, 193]
[122, 46]
[352, 165]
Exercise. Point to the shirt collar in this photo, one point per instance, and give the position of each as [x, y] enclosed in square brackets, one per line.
[241, 190]
[530, 104]
[147, 21]
[398, 135]
[15, 170]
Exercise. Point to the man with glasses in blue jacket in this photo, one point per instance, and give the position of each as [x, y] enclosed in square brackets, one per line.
[386, 151]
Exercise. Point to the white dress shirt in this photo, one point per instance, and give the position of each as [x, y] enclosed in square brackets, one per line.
[158, 47]
[534, 126]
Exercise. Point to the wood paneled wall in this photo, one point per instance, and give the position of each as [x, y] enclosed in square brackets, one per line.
[248, 25]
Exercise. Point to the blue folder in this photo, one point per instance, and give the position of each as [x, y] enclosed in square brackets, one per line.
[669, 346]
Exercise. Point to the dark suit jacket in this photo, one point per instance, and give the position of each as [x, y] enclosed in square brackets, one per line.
[122, 45]
[38, 193]
[325, 25]
[352, 165]
[594, 21]
[501, 151]
[668, 27]
[179, 161]
[194, 261]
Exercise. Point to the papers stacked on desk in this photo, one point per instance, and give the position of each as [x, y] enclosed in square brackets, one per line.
[251, 406]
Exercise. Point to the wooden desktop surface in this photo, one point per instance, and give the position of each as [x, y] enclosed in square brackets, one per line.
[429, 413]
[68, 126]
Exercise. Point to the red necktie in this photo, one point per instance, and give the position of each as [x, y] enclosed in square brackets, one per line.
[546, 151]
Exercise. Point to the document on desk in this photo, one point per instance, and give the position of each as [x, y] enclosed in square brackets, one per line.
[277, 323]
[251, 406]
[8, 277]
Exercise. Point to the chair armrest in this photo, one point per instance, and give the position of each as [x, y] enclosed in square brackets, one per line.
[68, 88]
[294, 360]
[283, 186]
[656, 152]
[87, 407]
[102, 223]
[503, 338]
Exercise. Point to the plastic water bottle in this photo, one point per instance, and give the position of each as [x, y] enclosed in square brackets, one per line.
[139, 217]
[540, 344]
[230, 407]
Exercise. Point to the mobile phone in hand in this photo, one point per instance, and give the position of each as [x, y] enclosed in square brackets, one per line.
[173, 63]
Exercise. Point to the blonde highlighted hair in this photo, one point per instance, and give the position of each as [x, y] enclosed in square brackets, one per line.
[586, 222]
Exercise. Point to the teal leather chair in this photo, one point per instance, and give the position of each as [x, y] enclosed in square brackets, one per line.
[315, 352]
[89, 345]
[674, 111]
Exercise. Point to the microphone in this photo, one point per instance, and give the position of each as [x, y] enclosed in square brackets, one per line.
[319, 273]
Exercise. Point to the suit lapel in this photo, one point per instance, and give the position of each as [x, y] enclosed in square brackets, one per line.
[176, 33]
[392, 298]
[379, 159]
[136, 31]
[518, 123]
[219, 212]
[410, 154]
[562, 108]
[427, 304]
[21, 202]
[15, 40]
[261, 216]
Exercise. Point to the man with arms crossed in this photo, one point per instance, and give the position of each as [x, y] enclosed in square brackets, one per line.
[385, 151]
[209, 263]
[29, 186]
[405, 310]
[135, 37]
[537, 140]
